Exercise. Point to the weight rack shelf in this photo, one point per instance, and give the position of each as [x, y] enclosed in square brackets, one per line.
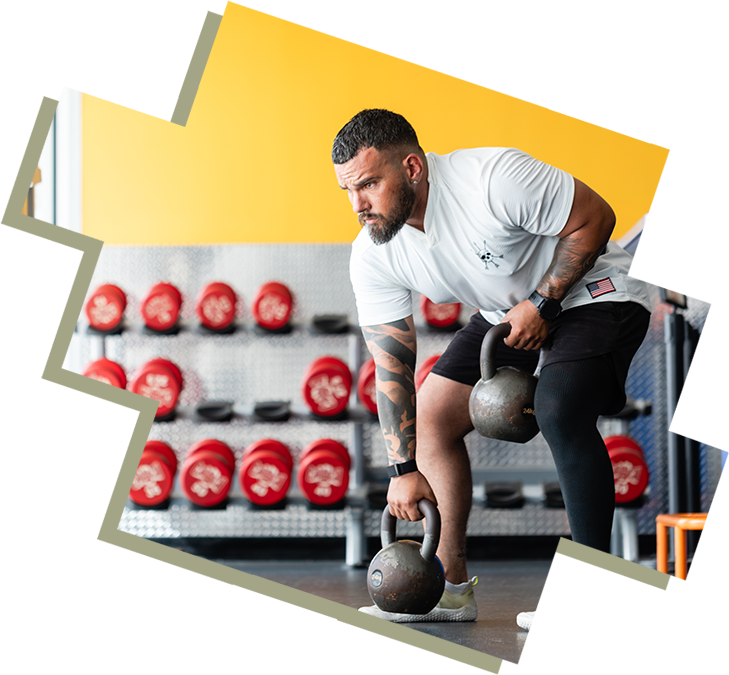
[243, 415]
[181, 520]
[247, 328]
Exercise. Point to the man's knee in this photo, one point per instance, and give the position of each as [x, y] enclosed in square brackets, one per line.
[442, 409]
[571, 396]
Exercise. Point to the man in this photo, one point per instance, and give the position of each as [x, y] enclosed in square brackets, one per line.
[523, 242]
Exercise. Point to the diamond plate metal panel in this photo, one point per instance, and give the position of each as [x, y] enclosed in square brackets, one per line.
[237, 520]
[530, 520]
[318, 275]
[485, 453]
[243, 367]
[82, 350]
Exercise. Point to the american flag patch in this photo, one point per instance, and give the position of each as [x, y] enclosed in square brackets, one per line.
[597, 288]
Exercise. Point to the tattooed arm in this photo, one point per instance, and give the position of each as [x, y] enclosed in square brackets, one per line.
[393, 347]
[582, 240]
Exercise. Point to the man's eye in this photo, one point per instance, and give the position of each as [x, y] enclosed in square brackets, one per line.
[369, 185]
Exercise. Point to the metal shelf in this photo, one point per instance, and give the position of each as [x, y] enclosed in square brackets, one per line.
[239, 519]
[241, 330]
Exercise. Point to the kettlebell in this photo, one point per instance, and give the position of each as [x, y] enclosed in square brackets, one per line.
[405, 577]
[501, 404]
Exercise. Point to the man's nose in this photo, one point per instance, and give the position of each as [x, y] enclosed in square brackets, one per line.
[359, 204]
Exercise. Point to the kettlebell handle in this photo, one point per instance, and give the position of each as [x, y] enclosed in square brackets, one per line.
[432, 529]
[488, 349]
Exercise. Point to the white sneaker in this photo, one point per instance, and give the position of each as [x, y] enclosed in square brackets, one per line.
[524, 620]
[451, 607]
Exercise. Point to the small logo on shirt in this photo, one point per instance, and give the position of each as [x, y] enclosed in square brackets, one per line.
[598, 288]
[485, 256]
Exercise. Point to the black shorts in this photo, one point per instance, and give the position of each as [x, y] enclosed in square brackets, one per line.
[613, 329]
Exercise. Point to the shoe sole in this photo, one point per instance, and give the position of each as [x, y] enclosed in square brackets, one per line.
[436, 616]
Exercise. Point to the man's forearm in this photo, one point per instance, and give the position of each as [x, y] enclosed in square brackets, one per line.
[574, 256]
[393, 347]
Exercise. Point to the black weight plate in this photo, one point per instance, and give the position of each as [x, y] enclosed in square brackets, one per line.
[504, 495]
[272, 411]
[283, 330]
[172, 330]
[343, 415]
[117, 330]
[228, 330]
[331, 323]
[633, 409]
[553, 495]
[215, 411]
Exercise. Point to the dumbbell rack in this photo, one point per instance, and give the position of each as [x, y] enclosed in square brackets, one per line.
[357, 519]
[250, 366]
[204, 359]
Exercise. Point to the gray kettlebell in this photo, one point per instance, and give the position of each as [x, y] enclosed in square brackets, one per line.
[501, 404]
[405, 577]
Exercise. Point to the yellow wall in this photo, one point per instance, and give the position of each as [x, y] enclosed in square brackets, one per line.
[253, 162]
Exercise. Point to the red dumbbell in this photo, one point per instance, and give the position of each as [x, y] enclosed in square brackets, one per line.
[439, 315]
[271, 306]
[215, 306]
[265, 472]
[326, 386]
[106, 371]
[105, 307]
[629, 468]
[155, 474]
[323, 474]
[207, 472]
[425, 368]
[160, 308]
[161, 380]
[367, 386]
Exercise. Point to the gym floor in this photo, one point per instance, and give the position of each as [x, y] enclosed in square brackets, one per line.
[513, 573]
[505, 589]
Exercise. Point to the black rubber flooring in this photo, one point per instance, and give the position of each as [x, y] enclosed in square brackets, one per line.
[505, 589]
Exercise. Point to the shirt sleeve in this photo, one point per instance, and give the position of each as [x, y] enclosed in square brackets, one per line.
[523, 192]
[379, 298]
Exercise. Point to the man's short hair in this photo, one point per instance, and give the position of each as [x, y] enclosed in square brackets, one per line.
[374, 128]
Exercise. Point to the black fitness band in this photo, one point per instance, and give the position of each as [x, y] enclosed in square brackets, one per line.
[404, 467]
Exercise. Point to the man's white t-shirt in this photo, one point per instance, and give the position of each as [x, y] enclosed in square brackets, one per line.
[484, 207]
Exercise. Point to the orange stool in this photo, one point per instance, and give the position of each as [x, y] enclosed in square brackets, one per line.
[681, 522]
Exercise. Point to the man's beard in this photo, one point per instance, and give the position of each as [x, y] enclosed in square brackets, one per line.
[386, 228]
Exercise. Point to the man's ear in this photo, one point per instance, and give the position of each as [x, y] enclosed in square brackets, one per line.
[413, 164]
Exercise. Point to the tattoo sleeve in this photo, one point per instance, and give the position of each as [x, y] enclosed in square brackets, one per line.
[393, 347]
[572, 260]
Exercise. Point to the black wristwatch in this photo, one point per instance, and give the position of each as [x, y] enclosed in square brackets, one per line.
[399, 469]
[548, 308]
